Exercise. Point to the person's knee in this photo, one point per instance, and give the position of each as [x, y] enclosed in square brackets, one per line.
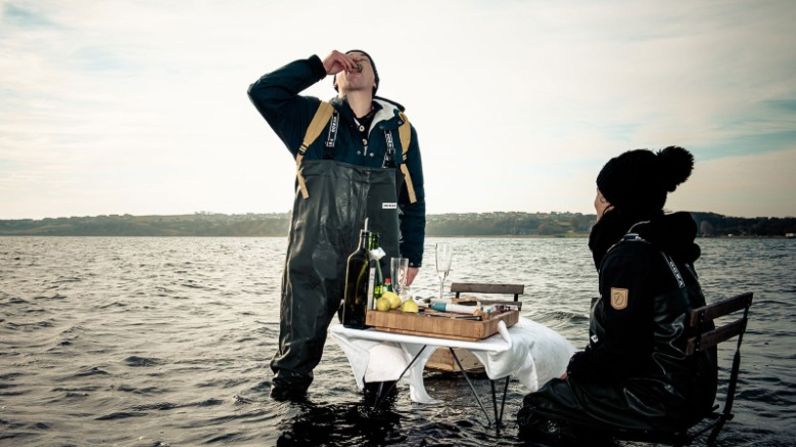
[528, 417]
[536, 427]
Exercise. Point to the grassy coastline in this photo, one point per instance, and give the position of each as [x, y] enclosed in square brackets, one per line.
[474, 225]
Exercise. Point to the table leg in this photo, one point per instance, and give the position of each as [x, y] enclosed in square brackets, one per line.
[503, 404]
[499, 416]
[389, 390]
[494, 406]
[472, 388]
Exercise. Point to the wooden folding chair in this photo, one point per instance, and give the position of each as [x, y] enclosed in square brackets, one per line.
[472, 287]
[707, 337]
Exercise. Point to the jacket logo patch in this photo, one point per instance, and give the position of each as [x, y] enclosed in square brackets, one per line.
[619, 298]
[389, 205]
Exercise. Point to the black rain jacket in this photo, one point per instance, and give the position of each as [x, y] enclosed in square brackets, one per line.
[634, 373]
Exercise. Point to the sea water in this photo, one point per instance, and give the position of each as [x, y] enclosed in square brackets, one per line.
[166, 341]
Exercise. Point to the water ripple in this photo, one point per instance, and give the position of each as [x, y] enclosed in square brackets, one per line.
[136, 361]
[93, 371]
[120, 415]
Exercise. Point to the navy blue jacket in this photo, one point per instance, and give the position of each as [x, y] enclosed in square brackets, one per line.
[276, 96]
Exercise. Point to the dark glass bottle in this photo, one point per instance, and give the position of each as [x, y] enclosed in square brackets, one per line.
[375, 273]
[357, 282]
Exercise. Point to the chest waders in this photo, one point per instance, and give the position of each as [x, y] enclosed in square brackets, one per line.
[324, 230]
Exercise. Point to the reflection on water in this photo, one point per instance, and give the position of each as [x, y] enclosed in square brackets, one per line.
[341, 424]
[166, 341]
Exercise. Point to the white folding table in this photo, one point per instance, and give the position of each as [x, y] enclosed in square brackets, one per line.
[528, 351]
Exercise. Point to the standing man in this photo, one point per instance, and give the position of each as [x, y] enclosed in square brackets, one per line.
[357, 157]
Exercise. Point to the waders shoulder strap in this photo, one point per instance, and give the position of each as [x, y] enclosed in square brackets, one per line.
[405, 135]
[322, 116]
[318, 123]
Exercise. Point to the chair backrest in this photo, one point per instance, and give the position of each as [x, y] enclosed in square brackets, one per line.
[707, 337]
[471, 287]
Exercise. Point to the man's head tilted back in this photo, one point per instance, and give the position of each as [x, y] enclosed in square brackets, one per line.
[366, 77]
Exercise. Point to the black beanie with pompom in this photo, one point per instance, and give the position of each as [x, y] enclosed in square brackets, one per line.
[637, 181]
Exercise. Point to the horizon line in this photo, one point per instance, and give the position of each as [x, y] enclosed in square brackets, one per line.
[212, 213]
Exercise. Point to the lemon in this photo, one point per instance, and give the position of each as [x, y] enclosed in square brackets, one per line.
[409, 306]
[383, 304]
[395, 301]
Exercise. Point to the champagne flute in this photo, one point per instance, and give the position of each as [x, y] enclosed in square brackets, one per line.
[444, 256]
[398, 269]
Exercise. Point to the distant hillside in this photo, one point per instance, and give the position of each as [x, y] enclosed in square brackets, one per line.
[199, 224]
[509, 224]
[712, 224]
[276, 224]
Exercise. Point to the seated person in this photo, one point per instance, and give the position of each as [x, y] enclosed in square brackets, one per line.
[634, 373]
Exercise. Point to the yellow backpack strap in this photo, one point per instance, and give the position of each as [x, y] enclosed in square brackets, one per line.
[405, 135]
[319, 120]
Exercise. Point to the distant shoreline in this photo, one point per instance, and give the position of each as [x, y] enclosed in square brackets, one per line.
[470, 225]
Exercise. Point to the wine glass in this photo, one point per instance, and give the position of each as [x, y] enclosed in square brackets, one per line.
[399, 267]
[444, 256]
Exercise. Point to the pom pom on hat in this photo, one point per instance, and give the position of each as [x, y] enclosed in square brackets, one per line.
[676, 165]
[637, 181]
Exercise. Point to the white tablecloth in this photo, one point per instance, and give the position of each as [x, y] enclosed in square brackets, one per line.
[528, 351]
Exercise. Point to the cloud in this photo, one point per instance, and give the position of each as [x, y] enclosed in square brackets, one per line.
[25, 17]
[140, 107]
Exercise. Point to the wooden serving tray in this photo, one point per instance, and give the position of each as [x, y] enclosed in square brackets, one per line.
[439, 327]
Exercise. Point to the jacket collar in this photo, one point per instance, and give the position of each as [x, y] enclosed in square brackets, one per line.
[386, 112]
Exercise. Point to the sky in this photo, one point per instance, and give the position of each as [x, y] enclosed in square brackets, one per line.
[140, 107]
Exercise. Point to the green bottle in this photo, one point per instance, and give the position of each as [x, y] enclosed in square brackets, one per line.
[377, 277]
[357, 284]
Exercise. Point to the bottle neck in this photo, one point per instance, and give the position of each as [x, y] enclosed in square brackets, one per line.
[374, 241]
[364, 240]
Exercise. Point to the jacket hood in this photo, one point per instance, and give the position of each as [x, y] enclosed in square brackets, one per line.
[388, 103]
[386, 110]
[673, 234]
